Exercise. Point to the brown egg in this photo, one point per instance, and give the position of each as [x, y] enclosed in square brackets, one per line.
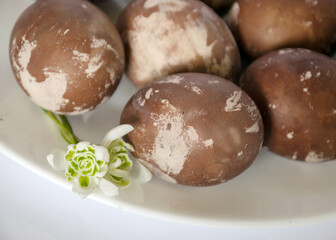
[97, 1]
[263, 25]
[218, 4]
[66, 55]
[295, 89]
[194, 129]
[163, 37]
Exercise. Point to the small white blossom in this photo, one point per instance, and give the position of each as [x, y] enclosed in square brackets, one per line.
[88, 166]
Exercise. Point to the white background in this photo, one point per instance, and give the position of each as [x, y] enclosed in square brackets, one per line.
[34, 208]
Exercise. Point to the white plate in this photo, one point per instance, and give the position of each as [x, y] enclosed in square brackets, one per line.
[272, 192]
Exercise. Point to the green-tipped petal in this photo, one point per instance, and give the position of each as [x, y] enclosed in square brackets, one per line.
[84, 191]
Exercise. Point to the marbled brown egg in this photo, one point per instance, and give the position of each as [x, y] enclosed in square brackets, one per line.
[295, 90]
[194, 129]
[218, 4]
[263, 25]
[163, 37]
[66, 55]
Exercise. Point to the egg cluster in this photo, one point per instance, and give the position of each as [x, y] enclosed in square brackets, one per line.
[211, 91]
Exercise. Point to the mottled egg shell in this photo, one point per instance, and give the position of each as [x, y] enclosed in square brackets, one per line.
[66, 55]
[263, 25]
[163, 37]
[218, 4]
[194, 129]
[295, 90]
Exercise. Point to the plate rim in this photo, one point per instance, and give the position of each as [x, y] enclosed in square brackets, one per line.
[164, 215]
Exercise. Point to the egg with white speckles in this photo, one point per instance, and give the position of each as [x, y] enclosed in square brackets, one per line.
[261, 26]
[218, 4]
[66, 55]
[295, 90]
[164, 37]
[194, 129]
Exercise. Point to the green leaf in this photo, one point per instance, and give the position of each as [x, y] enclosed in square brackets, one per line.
[63, 126]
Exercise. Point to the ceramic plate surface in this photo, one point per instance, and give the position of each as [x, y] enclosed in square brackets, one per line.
[272, 192]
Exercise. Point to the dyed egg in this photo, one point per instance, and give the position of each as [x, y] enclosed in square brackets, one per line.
[66, 55]
[262, 25]
[194, 129]
[295, 90]
[218, 4]
[163, 37]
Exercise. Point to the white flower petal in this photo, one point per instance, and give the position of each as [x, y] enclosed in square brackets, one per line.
[102, 153]
[84, 192]
[81, 195]
[115, 164]
[129, 147]
[82, 145]
[118, 173]
[56, 159]
[108, 188]
[71, 147]
[102, 172]
[115, 133]
[95, 181]
[76, 188]
[140, 173]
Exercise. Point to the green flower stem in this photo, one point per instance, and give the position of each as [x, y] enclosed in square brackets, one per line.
[63, 126]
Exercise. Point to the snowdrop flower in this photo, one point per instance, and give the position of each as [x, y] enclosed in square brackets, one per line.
[88, 166]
